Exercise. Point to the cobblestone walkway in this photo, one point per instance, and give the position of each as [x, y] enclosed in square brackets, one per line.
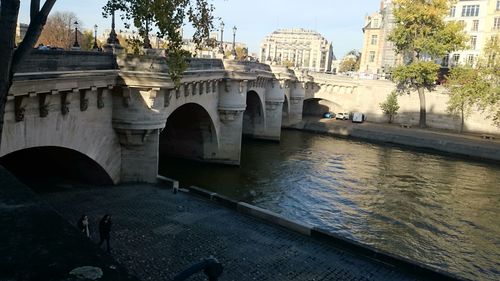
[157, 234]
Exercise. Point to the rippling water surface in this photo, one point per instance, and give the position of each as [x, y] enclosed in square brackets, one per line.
[439, 210]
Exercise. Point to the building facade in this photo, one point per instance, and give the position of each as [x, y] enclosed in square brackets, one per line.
[297, 47]
[481, 20]
[378, 55]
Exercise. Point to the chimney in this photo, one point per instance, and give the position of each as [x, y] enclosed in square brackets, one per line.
[382, 5]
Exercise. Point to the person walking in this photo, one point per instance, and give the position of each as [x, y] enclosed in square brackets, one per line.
[83, 225]
[104, 230]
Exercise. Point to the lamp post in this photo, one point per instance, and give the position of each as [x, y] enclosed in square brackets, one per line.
[96, 47]
[76, 45]
[221, 49]
[234, 42]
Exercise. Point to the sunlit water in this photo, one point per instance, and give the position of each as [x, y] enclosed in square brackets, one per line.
[439, 210]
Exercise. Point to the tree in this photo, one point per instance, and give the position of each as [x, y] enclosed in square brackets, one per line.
[10, 56]
[390, 106]
[348, 64]
[241, 53]
[462, 83]
[168, 17]
[421, 35]
[59, 30]
[87, 40]
[479, 86]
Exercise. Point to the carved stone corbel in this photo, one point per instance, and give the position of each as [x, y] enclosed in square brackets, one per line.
[84, 101]
[153, 92]
[44, 102]
[242, 85]
[100, 98]
[168, 96]
[227, 87]
[66, 101]
[20, 103]
[187, 89]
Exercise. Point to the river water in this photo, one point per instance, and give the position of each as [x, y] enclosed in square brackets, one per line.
[438, 210]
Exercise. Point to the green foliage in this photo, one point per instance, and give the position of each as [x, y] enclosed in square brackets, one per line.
[415, 75]
[349, 64]
[390, 106]
[87, 40]
[478, 86]
[421, 30]
[421, 35]
[168, 17]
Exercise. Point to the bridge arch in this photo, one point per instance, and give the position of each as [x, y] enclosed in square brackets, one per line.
[254, 119]
[190, 132]
[49, 162]
[318, 106]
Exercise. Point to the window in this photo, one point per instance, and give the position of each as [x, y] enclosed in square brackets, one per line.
[473, 42]
[374, 39]
[475, 25]
[470, 11]
[496, 24]
[470, 59]
[456, 59]
[498, 5]
[372, 56]
[452, 11]
[445, 60]
[375, 23]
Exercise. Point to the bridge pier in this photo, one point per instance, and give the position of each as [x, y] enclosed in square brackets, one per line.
[138, 119]
[297, 95]
[139, 155]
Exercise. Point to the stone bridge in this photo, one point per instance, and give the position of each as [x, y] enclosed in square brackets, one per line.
[124, 112]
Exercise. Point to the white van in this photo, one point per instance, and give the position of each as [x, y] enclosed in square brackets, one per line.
[358, 117]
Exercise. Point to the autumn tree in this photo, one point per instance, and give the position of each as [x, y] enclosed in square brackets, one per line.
[59, 30]
[421, 36]
[167, 17]
[10, 56]
[348, 64]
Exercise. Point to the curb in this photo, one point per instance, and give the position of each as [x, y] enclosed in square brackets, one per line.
[343, 243]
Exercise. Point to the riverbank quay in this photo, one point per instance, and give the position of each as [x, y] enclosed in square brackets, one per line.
[467, 145]
[36, 243]
[157, 233]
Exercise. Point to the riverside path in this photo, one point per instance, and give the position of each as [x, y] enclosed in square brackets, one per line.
[157, 234]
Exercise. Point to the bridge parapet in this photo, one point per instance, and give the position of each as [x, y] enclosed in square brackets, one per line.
[58, 61]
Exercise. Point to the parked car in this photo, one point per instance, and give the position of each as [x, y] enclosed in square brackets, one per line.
[329, 115]
[342, 116]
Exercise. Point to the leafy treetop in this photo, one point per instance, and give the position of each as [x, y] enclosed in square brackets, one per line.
[167, 17]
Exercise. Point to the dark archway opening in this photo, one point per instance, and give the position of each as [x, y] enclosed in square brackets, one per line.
[189, 134]
[39, 166]
[317, 107]
[253, 118]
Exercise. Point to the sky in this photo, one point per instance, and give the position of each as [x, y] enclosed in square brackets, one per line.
[339, 21]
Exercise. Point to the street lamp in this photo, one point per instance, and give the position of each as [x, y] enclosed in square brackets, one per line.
[96, 47]
[234, 41]
[221, 49]
[76, 45]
